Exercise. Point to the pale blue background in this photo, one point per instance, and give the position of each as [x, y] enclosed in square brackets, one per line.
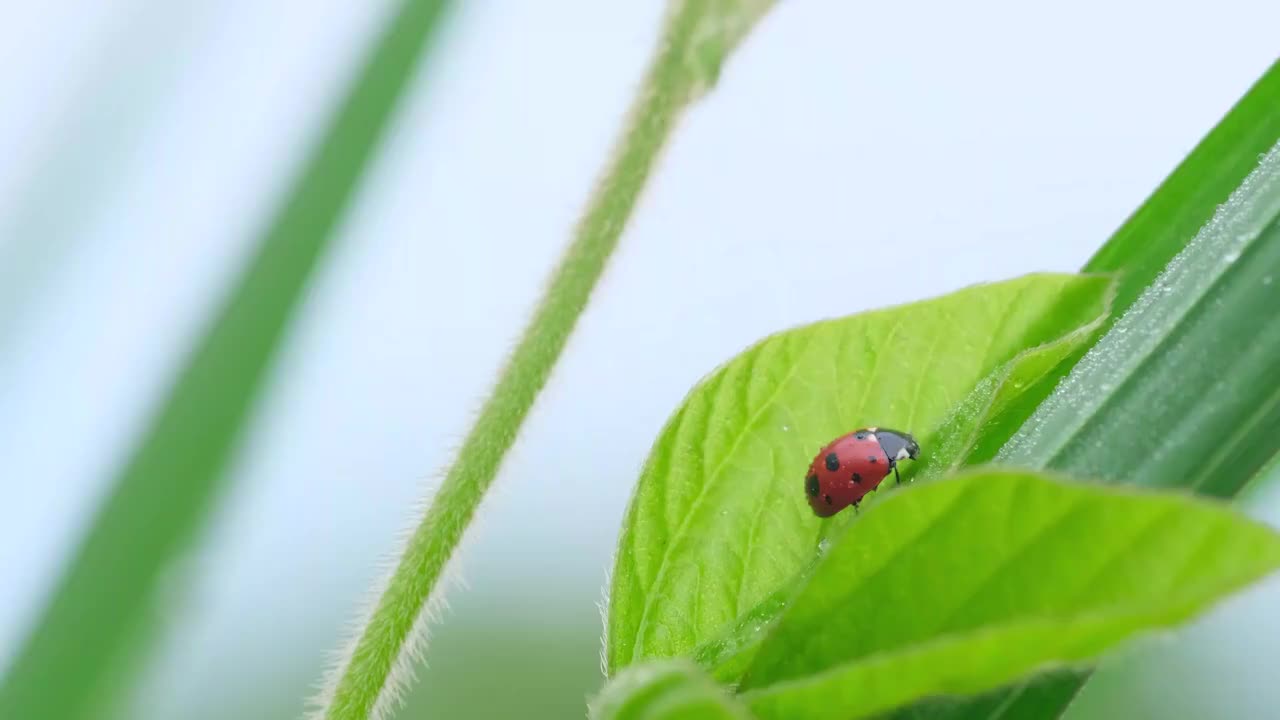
[919, 147]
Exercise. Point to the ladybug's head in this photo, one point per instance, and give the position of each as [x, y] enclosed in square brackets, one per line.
[912, 448]
[898, 445]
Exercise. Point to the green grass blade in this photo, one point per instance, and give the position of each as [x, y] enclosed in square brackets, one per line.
[698, 37]
[967, 583]
[1185, 201]
[172, 478]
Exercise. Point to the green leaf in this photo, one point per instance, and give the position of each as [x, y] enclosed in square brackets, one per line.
[966, 584]
[718, 521]
[378, 665]
[666, 690]
[985, 418]
[1185, 201]
[171, 481]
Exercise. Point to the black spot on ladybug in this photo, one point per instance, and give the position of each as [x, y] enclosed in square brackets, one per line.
[827, 498]
[861, 435]
[873, 459]
[833, 462]
[811, 484]
[857, 478]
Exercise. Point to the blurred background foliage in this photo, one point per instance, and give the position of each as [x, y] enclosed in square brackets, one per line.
[148, 146]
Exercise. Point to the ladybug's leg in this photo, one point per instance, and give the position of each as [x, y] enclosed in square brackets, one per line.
[896, 478]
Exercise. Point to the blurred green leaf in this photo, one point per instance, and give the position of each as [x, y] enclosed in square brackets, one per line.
[719, 521]
[1185, 201]
[965, 584]
[171, 480]
[666, 690]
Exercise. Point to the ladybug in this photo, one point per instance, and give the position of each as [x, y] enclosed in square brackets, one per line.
[853, 465]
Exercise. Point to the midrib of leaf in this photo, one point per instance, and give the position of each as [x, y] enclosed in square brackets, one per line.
[697, 38]
[97, 619]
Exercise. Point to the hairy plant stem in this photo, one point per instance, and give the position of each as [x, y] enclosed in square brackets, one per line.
[697, 36]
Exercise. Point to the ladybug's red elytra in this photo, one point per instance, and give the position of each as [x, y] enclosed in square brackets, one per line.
[853, 465]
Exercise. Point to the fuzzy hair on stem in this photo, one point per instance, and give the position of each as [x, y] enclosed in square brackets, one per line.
[371, 676]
